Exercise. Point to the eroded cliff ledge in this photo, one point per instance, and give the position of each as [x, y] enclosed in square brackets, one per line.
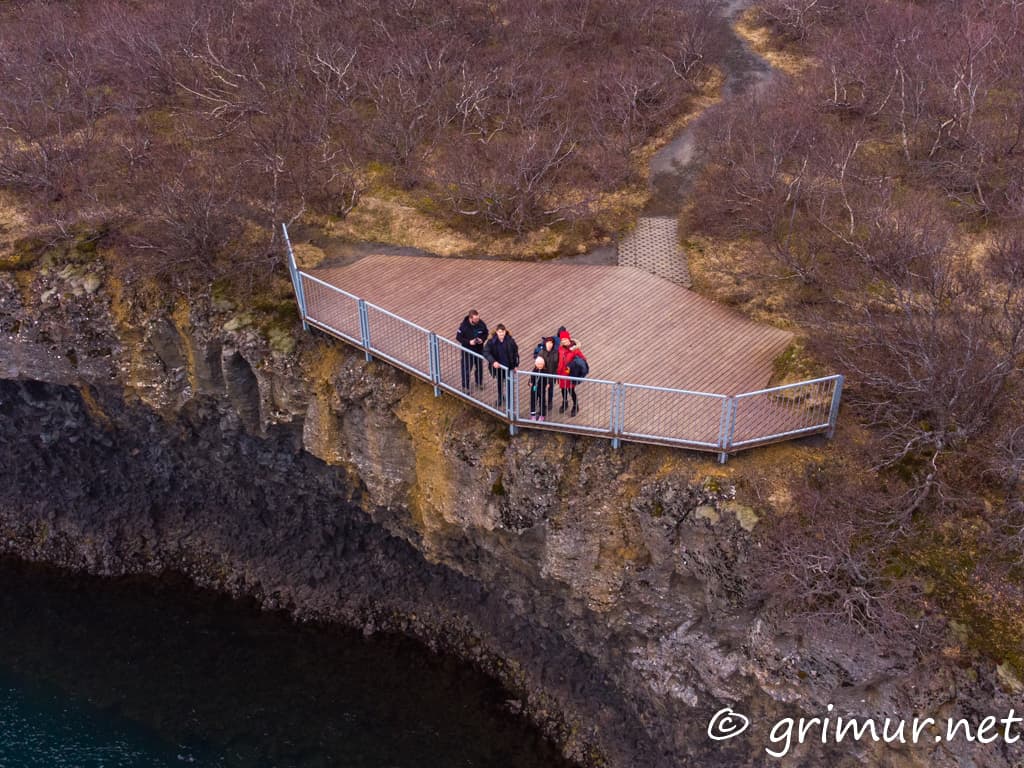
[607, 589]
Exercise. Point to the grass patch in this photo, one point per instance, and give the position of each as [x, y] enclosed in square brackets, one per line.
[751, 27]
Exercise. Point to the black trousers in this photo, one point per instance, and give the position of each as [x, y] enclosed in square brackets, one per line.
[476, 365]
[548, 390]
[539, 404]
[501, 376]
[566, 394]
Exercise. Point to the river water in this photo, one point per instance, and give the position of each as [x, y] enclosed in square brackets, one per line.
[134, 673]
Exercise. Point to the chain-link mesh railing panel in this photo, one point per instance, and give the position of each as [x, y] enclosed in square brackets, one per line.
[590, 411]
[332, 308]
[640, 412]
[405, 343]
[654, 413]
[468, 375]
[782, 411]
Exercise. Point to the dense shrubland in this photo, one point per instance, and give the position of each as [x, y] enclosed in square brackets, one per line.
[184, 130]
[879, 197]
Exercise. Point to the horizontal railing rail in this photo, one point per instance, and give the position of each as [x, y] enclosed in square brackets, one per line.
[612, 409]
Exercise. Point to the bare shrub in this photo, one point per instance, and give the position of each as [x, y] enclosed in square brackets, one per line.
[501, 113]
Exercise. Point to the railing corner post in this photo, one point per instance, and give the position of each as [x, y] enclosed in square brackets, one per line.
[434, 356]
[364, 328]
[833, 414]
[293, 270]
[726, 428]
[617, 416]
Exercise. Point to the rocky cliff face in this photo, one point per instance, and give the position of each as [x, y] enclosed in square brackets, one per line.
[606, 588]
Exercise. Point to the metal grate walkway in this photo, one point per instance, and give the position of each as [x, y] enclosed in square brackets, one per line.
[654, 247]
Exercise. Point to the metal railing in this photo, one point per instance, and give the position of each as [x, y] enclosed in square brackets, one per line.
[615, 410]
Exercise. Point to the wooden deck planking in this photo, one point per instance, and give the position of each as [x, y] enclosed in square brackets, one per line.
[632, 326]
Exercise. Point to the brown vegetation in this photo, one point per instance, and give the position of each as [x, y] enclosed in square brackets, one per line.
[185, 130]
[883, 186]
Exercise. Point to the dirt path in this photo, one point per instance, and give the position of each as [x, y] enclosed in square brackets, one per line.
[675, 167]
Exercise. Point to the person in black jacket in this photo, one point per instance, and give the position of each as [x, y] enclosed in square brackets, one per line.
[502, 353]
[472, 334]
[550, 354]
[538, 403]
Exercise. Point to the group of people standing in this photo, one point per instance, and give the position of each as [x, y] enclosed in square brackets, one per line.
[555, 357]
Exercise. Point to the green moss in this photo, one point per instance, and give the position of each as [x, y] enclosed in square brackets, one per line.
[428, 205]
[23, 254]
[498, 489]
[275, 312]
[785, 364]
[277, 319]
[281, 340]
[86, 244]
[81, 246]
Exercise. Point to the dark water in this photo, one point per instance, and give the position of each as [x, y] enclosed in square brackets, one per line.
[133, 673]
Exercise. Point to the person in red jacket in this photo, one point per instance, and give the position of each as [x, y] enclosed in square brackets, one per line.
[567, 350]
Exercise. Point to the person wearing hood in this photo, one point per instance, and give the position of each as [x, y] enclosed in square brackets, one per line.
[549, 351]
[567, 350]
[502, 354]
[472, 334]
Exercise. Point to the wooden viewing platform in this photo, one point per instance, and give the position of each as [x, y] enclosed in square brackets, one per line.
[666, 366]
[631, 325]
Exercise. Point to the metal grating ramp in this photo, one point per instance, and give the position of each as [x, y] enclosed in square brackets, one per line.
[654, 247]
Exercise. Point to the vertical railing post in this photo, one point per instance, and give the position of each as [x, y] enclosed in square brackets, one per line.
[293, 270]
[618, 409]
[833, 413]
[434, 355]
[726, 428]
[364, 328]
[511, 392]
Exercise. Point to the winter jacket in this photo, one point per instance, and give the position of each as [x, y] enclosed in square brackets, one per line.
[565, 356]
[467, 332]
[575, 358]
[504, 352]
[550, 359]
[537, 380]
